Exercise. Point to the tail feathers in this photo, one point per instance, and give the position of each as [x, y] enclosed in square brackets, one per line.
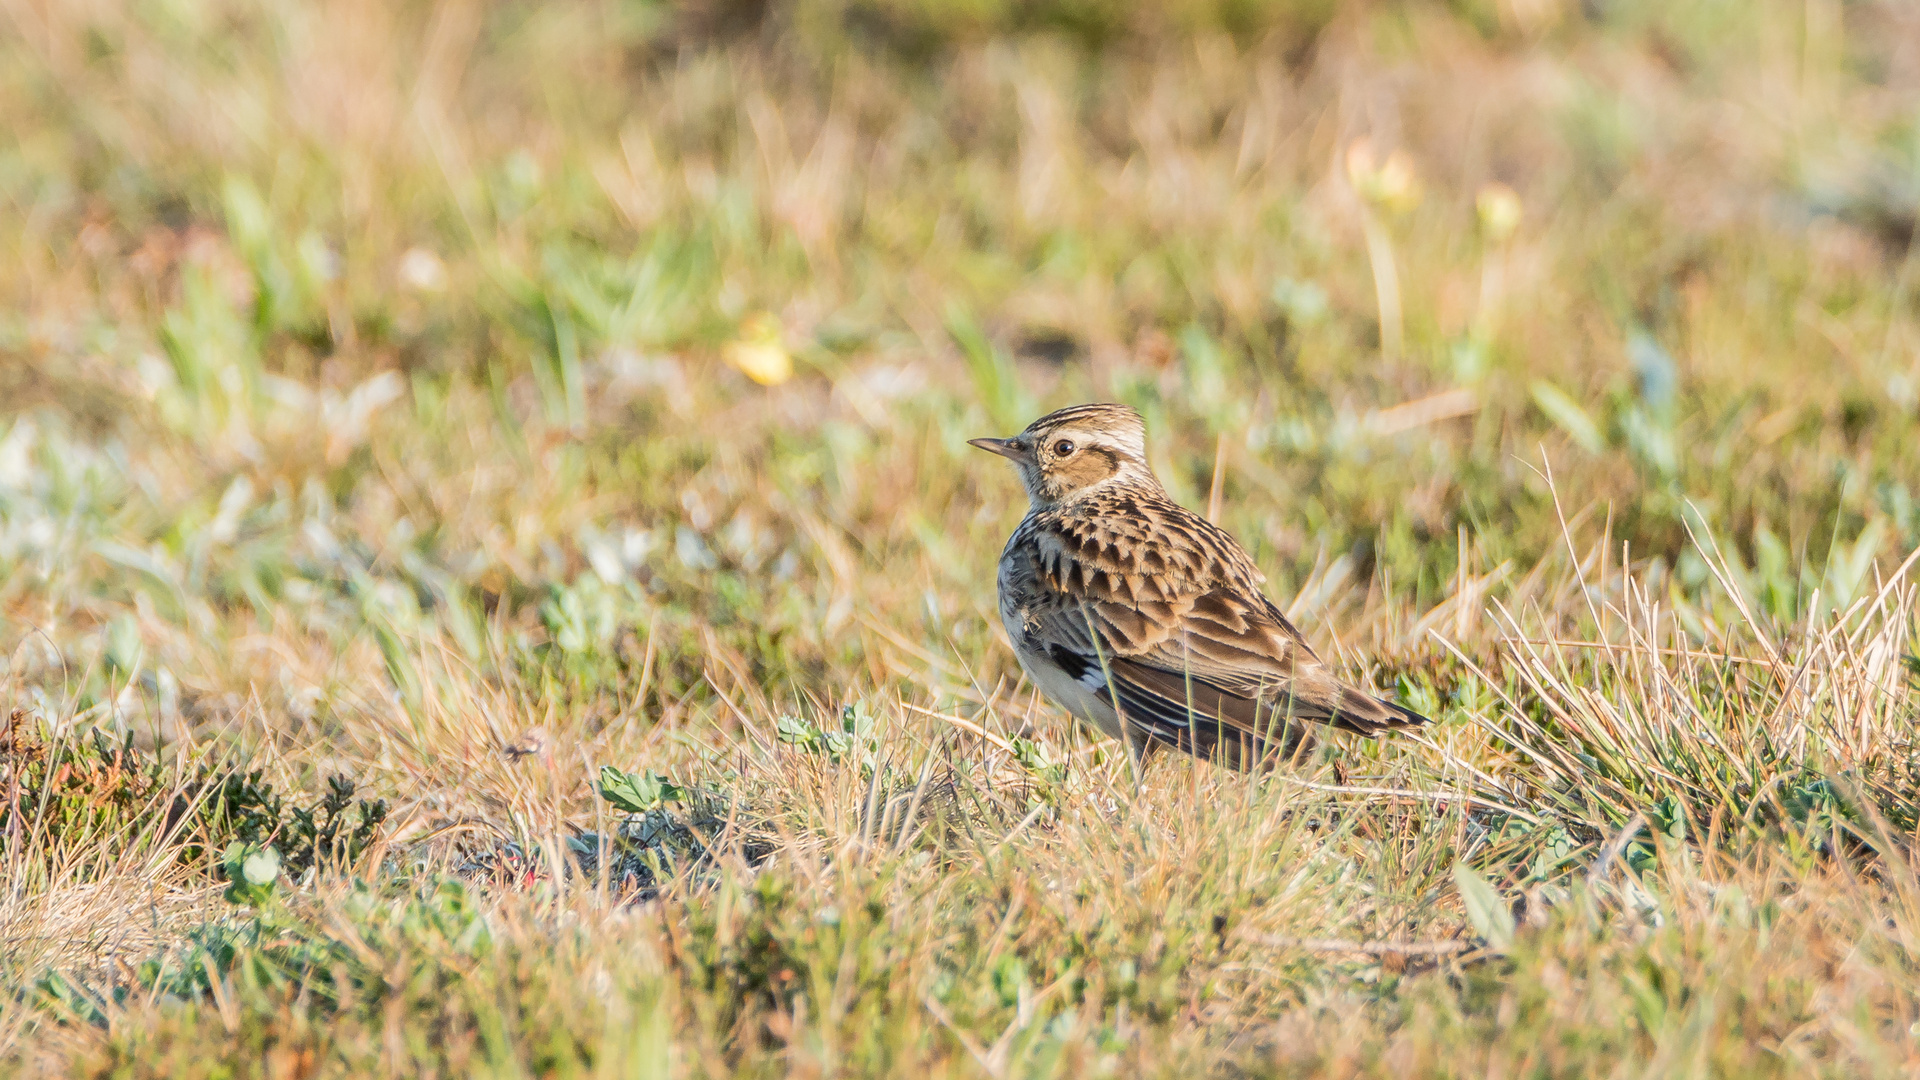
[1170, 709]
[1361, 712]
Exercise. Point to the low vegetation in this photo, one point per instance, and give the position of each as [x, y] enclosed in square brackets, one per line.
[492, 581]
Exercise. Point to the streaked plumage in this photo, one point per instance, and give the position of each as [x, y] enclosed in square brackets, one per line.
[1145, 619]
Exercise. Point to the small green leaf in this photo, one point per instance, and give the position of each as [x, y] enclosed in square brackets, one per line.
[838, 743]
[792, 730]
[1009, 977]
[123, 646]
[1669, 817]
[78, 1002]
[261, 868]
[1489, 914]
[1030, 754]
[251, 873]
[636, 793]
[1640, 856]
[1568, 416]
[856, 720]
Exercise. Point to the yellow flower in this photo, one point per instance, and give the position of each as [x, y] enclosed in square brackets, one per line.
[1393, 184]
[1500, 210]
[759, 353]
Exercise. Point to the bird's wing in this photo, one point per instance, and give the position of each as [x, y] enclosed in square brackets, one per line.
[1189, 653]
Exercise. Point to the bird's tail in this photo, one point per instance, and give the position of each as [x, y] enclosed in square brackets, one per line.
[1361, 712]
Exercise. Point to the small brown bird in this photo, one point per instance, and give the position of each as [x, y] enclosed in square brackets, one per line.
[1146, 620]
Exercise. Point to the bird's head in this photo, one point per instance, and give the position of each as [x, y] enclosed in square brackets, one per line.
[1068, 454]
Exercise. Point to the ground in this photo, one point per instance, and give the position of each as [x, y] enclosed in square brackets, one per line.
[493, 582]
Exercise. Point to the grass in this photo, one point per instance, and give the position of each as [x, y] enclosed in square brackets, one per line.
[493, 582]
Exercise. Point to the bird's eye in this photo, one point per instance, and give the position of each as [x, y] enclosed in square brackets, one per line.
[1063, 448]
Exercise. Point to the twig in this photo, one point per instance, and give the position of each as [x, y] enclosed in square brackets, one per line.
[746, 722]
[1445, 405]
[964, 725]
[1219, 478]
[980, 1053]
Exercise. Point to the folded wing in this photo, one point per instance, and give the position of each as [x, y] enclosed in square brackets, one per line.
[1210, 666]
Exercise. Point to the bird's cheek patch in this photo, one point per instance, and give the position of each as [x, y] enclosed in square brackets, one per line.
[1087, 469]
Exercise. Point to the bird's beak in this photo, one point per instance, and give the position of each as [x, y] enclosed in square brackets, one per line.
[1006, 448]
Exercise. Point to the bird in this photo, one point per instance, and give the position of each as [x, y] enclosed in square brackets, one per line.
[1146, 620]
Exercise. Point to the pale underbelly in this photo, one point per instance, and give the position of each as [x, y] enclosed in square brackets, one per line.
[1085, 697]
[1087, 703]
